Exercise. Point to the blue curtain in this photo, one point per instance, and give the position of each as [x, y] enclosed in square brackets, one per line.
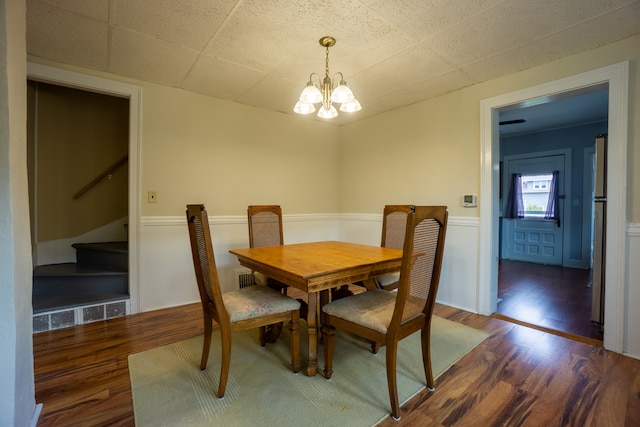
[554, 198]
[515, 205]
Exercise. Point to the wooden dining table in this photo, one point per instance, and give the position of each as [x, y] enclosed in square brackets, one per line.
[317, 267]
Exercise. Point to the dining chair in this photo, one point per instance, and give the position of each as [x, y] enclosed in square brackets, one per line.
[246, 308]
[265, 229]
[387, 317]
[394, 226]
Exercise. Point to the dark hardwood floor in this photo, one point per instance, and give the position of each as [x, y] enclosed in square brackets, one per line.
[517, 377]
[552, 297]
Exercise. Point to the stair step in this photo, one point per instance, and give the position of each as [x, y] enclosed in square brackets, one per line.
[104, 255]
[72, 278]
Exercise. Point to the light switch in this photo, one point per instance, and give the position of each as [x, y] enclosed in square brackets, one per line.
[152, 197]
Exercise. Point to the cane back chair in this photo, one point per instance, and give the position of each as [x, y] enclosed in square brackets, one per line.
[387, 317]
[246, 308]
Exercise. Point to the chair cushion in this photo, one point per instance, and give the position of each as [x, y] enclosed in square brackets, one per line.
[388, 279]
[260, 278]
[256, 301]
[372, 309]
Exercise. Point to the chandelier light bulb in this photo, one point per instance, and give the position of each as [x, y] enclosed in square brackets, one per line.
[351, 106]
[327, 113]
[342, 93]
[304, 108]
[311, 94]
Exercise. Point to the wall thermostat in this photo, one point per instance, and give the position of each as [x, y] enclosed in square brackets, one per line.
[469, 201]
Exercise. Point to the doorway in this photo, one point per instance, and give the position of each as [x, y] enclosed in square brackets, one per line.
[544, 273]
[56, 76]
[616, 76]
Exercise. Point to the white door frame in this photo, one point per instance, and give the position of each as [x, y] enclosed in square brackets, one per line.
[617, 76]
[75, 80]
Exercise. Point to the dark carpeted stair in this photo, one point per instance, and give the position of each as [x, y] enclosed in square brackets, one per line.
[100, 275]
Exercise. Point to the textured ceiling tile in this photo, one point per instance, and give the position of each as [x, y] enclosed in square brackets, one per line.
[424, 18]
[426, 89]
[622, 23]
[581, 10]
[272, 93]
[297, 68]
[219, 78]
[411, 65]
[188, 23]
[77, 39]
[366, 39]
[149, 59]
[496, 31]
[262, 34]
[97, 9]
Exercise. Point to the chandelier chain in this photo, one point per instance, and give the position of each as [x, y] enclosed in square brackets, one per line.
[326, 63]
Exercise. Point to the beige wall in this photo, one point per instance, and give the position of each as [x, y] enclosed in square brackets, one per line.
[201, 149]
[430, 152]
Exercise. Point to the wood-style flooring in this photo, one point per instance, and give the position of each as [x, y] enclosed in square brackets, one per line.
[517, 377]
[551, 297]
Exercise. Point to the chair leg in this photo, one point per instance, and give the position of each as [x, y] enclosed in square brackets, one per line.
[206, 345]
[263, 336]
[425, 336]
[294, 327]
[392, 352]
[329, 335]
[225, 361]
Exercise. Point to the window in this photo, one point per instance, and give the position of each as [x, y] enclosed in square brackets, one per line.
[535, 194]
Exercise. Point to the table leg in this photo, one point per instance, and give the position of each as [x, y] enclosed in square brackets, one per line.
[312, 332]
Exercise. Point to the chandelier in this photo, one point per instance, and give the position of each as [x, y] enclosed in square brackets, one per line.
[327, 91]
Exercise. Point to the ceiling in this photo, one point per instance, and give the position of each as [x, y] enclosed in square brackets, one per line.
[588, 105]
[392, 53]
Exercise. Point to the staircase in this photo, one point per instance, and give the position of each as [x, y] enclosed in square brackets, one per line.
[96, 287]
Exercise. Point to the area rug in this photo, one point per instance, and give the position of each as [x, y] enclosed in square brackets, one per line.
[170, 390]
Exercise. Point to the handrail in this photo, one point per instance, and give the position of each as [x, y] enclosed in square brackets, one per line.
[100, 177]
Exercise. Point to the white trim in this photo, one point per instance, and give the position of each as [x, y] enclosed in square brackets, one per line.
[633, 230]
[617, 76]
[36, 415]
[157, 221]
[134, 94]
[587, 205]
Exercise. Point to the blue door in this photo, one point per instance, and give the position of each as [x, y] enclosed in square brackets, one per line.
[534, 238]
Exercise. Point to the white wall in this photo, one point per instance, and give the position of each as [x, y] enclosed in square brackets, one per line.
[167, 276]
[166, 268]
[17, 391]
[632, 293]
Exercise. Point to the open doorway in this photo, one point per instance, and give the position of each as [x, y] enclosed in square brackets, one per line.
[544, 276]
[616, 76]
[60, 77]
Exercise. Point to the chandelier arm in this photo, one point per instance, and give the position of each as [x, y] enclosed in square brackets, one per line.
[318, 79]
